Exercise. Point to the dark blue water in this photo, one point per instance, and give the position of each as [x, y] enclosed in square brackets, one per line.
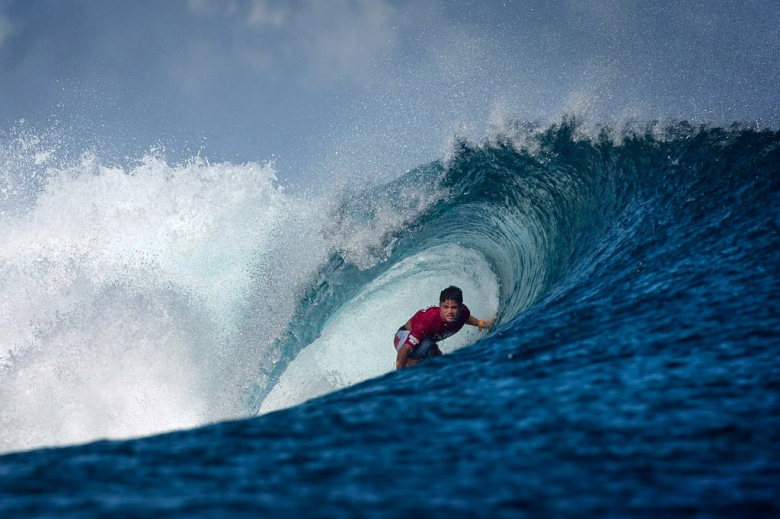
[634, 371]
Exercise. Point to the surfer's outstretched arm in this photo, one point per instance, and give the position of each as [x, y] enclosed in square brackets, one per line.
[473, 321]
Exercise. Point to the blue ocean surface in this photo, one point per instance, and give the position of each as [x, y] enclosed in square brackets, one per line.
[239, 363]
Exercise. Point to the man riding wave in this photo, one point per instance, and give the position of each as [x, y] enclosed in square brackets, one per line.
[417, 339]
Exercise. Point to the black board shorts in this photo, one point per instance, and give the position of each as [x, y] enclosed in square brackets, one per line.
[423, 350]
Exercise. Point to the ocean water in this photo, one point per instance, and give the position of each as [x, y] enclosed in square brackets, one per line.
[191, 340]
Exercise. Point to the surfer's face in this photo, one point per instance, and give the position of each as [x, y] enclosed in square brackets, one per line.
[449, 311]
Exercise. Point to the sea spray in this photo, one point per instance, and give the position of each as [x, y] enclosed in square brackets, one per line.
[124, 292]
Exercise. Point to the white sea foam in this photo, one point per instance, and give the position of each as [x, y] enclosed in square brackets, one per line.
[124, 292]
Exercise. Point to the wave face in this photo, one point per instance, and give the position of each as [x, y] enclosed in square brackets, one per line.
[634, 367]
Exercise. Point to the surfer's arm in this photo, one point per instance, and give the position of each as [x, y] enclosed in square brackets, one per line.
[473, 321]
[403, 356]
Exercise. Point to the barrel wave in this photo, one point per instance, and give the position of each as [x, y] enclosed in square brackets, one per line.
[541, 207]
[633, 368]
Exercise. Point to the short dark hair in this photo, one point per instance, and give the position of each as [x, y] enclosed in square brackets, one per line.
[451, 293]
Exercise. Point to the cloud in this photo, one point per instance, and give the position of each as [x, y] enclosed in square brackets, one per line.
[6, 29]
[263, 14]
[347, 38]
[212, 7]
[319, 41]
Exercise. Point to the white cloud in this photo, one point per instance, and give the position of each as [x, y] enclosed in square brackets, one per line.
[212, 7]
[6, 29]
[329, 40]
[263, 14]
[345, 37]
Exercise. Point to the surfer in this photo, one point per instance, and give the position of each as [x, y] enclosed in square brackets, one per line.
[416, 340]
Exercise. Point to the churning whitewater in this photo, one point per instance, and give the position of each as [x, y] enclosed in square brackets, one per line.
[128, 292]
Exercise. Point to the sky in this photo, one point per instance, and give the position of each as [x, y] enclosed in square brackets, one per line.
[323, 86]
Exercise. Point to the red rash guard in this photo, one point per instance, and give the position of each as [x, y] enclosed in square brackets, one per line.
[428, 324]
